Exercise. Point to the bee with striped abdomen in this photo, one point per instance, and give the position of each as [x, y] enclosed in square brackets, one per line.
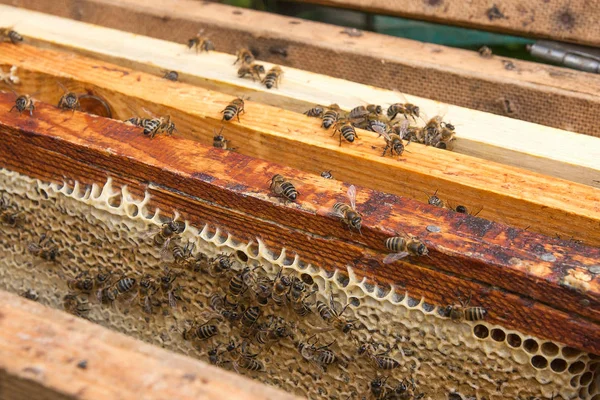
[81, 284]
[254, 70]
[200, 43]
[281, 287]
[365, 111]
[249, 320]
[315, 112]
[268, 336]
[331, 116]
[321, 356]
[44, 248]
[462, 311]
[171, 76]
[282, 187]
[273, 77]
[393, 141]
[244, 56]
[200, 332]
[233, 109]
[297, 298]
[125, 285]
[147, 289]
[379, 360]
[406, 109]
[221, 265]
[241, 359]
[263, 288]
[168, 231]
[69, 100]
[331, 316]
[348, 214]
[168, 288]
[76, 305]
[346, 130]
[9, 35]
[8, 214]
[402, 246]
[182, 254]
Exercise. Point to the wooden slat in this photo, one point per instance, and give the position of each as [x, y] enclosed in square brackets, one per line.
[562, 20]
[508, 195]
[41, 350]
[533, 92]
[503, 267]
[534, 147]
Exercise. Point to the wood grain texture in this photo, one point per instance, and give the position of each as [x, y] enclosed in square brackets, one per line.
[563, 20]
[541, 149]
[509, 195]
[543, 94]
[502, 267]
[40, 349]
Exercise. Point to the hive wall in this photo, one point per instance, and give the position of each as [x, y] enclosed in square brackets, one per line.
[105, 228]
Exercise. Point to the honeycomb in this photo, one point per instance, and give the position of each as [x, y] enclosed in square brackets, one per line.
[102, 228]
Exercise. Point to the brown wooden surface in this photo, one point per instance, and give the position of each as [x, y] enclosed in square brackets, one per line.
[501, 266]
[544, 94]
[40, 349]
[561, 20]
[505, 194]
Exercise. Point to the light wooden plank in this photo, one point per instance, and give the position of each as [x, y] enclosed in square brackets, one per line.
[562, 20]
[41, 350]
[507, 194]
[544, 94]
[538, 148]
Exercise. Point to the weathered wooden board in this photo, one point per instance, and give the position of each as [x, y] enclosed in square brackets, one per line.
[541, 149]
[519, 276]
[563, 20]
[48, 354]
[544, 94]
[505, 194]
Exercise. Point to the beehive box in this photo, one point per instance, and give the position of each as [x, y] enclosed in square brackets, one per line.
[102, 192]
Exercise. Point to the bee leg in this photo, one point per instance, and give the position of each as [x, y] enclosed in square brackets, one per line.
[13, 107]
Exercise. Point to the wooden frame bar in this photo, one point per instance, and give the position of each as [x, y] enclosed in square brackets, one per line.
[567, 21]
[517, 89]
[512, 142]
[548, 205]
[48, 354]
[509, 271]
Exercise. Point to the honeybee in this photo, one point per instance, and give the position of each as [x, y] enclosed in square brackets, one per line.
[238, 284]
[69, 100]
[262, 290]
[406, 109]
[346, 130]
[297, 298]
[171, 76]
[200, 43]
[379, 360]
[326, 175]
[392, 142]
[462, 311]
[365, 111]
[485, 52]
[22, 103]
[9, 35]
[30, 294]
[214, 356]
[321, 356]
[464, 210]
[282, 187]
[273, 77]
[268, 336]
[281, 286]
[316, 112]
[434, 200]
[7, 215]
[221, 265]
[147, 288]
[249, 319]
[403, 246]
[233, 109]
[82, 283]
[73, 304]
[124, 285]
[44, 248]
[182, 254]
[244, 56]
[330, 315]
[254, 70]
[168, 231]
[331, 116]
[378, 387]
[200, 332]
[348, 214]
[241, 359]
[169, 290]
[155, 125]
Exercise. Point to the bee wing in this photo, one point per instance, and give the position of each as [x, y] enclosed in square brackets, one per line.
[352, 196]
[63, 87]
[381, 130]
[404, 127]
[390, 258]
[150, 113]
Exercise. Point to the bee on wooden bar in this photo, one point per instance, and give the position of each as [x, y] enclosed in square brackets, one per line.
[281, 286]
[331, 116]
[200, 332]
[233, 109]
[244, 56]
[434, 200]
[273, 77]
[346, 130]
[282, 187]
[403, 246]
[254, 70]
[326, 175]
[200, 43]
[393, 142]
[348, 214]
[9, 35]
[406, 109]
[330, 315]
[69, 100]
[44, 248]
[365, 111]
[22, 103]
[73, 304]
[171, 76]
[82, 283]
[485, 52]
[462, 311]
[379, 360]
[375, 125]
[464, 210]
[219, 140]
[315, 112]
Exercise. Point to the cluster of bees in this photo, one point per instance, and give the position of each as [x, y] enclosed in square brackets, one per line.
[249, 67]
[371, 117]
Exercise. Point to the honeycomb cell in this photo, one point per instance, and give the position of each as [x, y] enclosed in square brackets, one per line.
[498, 335]
[558, 365]
[539, 362]
[549, 349]
[586, 378]
[577, 367]
[531, 346]
[481, 331]
[514, 340]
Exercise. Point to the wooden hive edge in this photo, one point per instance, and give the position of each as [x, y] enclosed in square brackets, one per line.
[504, 271]
[452, 75]
[48, 354]
[512, 142]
